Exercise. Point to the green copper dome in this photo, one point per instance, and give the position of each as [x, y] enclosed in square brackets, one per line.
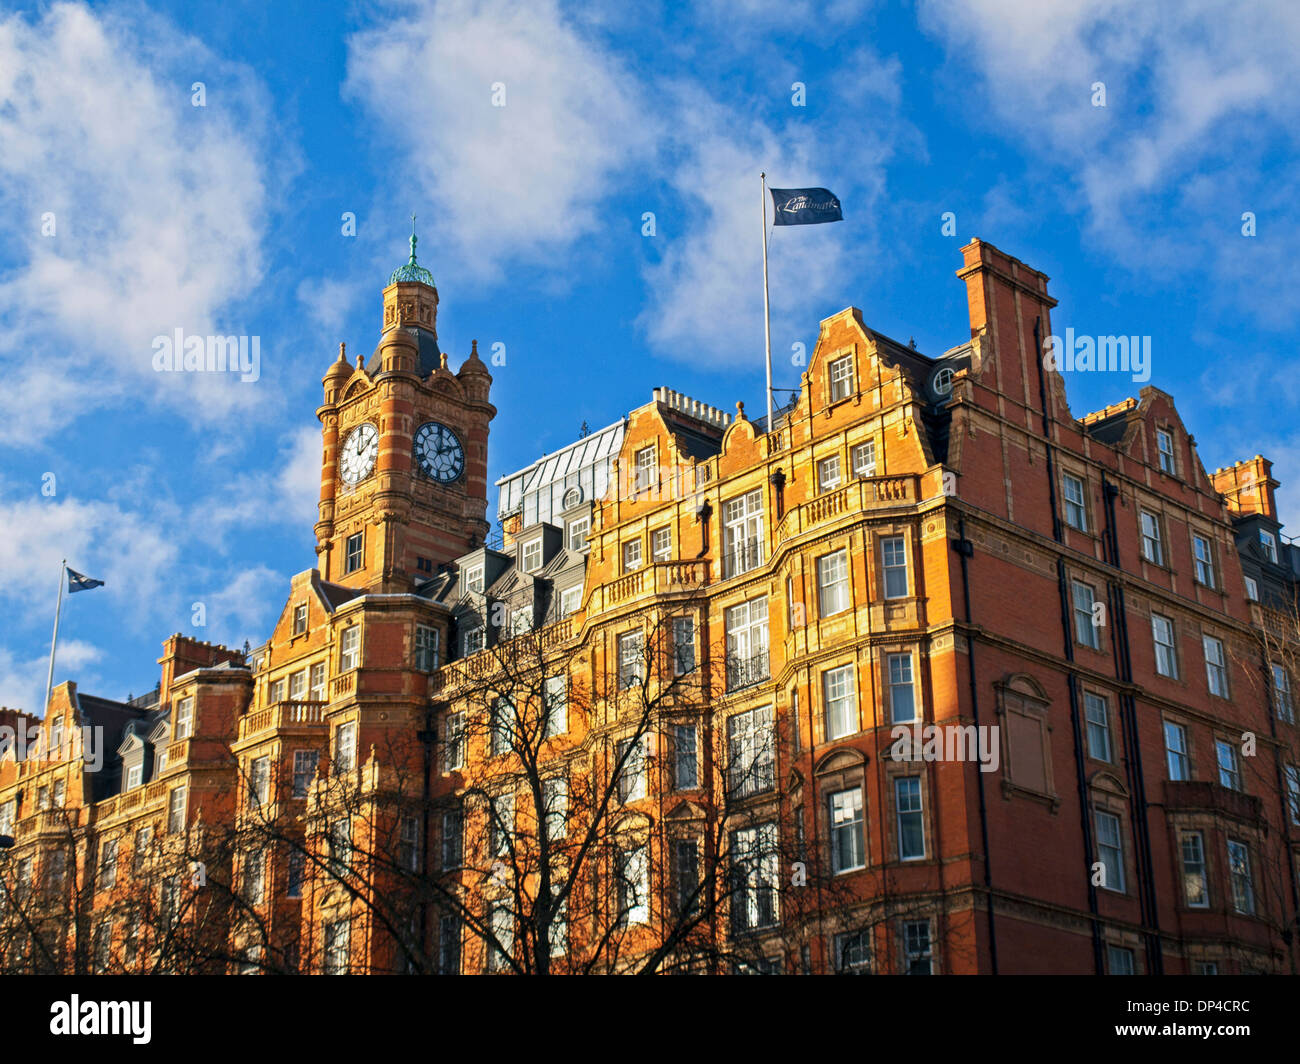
[411, 271]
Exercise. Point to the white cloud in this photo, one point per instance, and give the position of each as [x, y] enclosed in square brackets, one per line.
[522, 180]
[130, 552]
[706, 297]
[1194, 92]
[22, 682]
[245, 607]
[531, 179]
[158, 208]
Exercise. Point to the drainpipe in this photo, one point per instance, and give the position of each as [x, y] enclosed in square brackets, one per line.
[1139, 813]
[965, 548]
[428, 737]
[1072, 680]
[1288, 927]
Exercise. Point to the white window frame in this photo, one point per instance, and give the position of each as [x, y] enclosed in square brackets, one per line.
[577, 532]
[1153, 542]
[755, 857]
[453, 747]
[828, 473]
[632, 776]
[426, 648]
[305, 764]
[473, 640]
[631, 659]
[840, 697]
[350, 648]
[345, 746]
[748, 648]
[1282, 699]
[839, 378]
[863, 458]
[751, 752]
[1228, 763]
[1110, 840]
[1216, 666]
[743, 545]
[184, 719]
[683, 645]
[570, 601]
[1203, 558]
[1083, 599]
[354, 553]
[893, 562]
[900, 675]
[846, 823]
[1165, 452]
[834, 594]
[1195, 868]
[909, 802]
[555, 699]
[1096, 711]
[1269, 542]
[474, 579]
[316, 682]
[644, 464]
[177, 803]
[685, 763]
[661, 544]
[1076, 507]
[1178, 763]
[1166, 651]
[530, 555]
[1252, 589]
[632, 557]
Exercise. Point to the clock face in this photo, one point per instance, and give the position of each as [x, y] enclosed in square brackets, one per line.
[360, 450]
[439, 452]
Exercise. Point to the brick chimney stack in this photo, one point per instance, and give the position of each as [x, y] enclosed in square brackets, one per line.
[1247, 487]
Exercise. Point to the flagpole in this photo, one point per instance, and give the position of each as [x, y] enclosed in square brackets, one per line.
[767, 309]
[58, 607]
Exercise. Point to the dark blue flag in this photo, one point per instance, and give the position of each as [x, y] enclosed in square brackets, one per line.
[80, 582]
[805, 206]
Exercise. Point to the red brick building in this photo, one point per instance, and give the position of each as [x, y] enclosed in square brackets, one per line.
[929, 675]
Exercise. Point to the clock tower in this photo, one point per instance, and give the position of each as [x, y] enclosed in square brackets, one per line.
[404, 457]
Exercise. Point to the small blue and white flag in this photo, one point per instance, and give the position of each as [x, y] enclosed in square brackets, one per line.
[80, 582]
[805, 206]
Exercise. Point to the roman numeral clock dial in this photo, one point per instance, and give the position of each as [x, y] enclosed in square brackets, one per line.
[360, 450]
[439, 452]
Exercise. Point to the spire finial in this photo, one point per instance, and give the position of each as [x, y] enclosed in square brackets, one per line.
[413, 238]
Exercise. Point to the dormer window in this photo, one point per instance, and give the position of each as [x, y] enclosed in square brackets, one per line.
[133, 776]
[532, 556]
[579, 527]
[474, 578]
[1268, 544]
[300, 618]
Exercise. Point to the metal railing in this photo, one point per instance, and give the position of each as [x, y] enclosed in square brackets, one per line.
[744, 672]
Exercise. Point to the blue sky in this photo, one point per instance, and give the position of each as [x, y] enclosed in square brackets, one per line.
[227, 218]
